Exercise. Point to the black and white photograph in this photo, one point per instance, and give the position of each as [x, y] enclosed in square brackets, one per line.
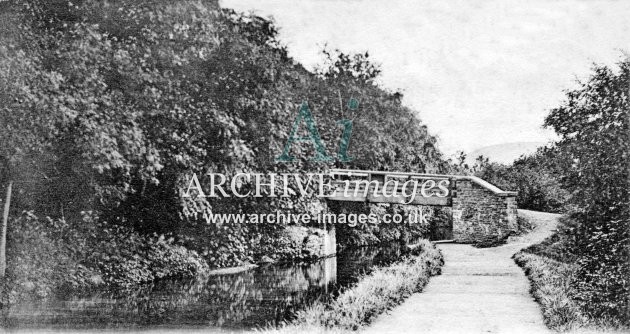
[315, 166]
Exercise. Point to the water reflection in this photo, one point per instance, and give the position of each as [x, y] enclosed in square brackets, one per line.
[254, 298]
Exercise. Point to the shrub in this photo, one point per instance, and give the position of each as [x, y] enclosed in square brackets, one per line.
[536, 178]
[595, 139]
[39, 262]
[47, 256]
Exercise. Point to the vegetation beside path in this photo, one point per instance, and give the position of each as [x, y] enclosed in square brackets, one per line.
[552, 285]
[552, 271]
[583, 175]
[376, 293]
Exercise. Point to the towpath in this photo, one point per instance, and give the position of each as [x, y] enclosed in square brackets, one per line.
[481, 290]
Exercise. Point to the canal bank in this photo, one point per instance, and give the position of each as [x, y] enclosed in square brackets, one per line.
[232, 300]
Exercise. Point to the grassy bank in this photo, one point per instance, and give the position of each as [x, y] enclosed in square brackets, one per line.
[550, 286]
[375, 293]
[552, 273]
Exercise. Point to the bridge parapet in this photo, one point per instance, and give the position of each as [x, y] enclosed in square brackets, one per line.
[480, 211]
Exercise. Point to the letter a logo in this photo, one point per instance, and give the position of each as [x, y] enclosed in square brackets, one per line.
[304, 115]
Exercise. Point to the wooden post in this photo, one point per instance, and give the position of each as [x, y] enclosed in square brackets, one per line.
[3, 231]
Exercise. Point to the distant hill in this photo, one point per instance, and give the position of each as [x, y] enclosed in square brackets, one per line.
[505, 153]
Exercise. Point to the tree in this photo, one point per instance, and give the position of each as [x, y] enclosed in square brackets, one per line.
[358, 66]
[535, 177]
[124, 100]
[595, 139]
[26, 114]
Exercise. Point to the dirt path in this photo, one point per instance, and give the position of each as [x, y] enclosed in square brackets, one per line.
[479, 291]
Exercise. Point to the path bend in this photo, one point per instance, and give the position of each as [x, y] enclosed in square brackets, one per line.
[481, 290]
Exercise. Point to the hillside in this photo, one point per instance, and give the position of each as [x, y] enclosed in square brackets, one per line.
[504, 153]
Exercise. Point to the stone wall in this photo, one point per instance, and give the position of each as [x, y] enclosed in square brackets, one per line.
[482, 212]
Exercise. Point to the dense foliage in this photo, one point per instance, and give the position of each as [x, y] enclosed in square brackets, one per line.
[111, 107]
[47, 255]
[586, 175]
[594, 127]
[536, 177]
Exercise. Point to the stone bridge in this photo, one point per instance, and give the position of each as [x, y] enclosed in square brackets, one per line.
[479, 211]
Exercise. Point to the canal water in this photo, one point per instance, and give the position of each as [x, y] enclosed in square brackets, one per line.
[267, 295]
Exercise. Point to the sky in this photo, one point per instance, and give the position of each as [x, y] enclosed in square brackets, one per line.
[478, 73]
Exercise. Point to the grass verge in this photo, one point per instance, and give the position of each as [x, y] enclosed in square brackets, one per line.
[552, 286]
[375, 293]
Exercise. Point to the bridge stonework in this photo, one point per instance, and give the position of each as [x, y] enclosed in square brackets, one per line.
[481, 213]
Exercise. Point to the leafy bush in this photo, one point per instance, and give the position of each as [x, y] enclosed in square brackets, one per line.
[48, 256]
[536, 178]
[126, 258]
[39, 263]
[595, 138]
